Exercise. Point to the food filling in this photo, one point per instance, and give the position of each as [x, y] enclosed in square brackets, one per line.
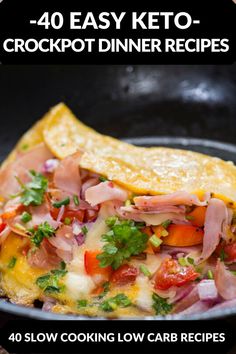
[73, 241]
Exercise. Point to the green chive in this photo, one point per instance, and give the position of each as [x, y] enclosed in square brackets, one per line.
[20, 227]
[182, 261]
[210, 274]
[84, 230]
[76, 199]
[144, 270]
[58, 204]
[26, 217]
[67, 221]
[155, 241]
[12, 263]
[102, 179]
[166, 223]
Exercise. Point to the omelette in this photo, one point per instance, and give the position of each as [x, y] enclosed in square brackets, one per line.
[94, 226]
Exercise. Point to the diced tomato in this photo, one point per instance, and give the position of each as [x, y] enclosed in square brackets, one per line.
[229, 251]
[183, 235]
[68, 213]
[197, 216]
[92, 267]
[2, 226]
[171, 273]
[126, 274]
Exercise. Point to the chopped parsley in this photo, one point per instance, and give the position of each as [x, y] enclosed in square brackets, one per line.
[84, 230]
[122, 241]
[160, 305]
[26, 217]
[111, 304]
[12, 263]
[190, 260]
[111, 221]
[82, 303]
[67, 221]
[76, 199]
[32, 193]
[43, 230]
[58, 204]
[50, 282]
[106, 288]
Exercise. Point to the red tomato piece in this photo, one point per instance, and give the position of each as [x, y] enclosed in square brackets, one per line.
[92, 267]
[68, 213]
[2, 226]
[171, 273]
[229, 251]
[126, 274]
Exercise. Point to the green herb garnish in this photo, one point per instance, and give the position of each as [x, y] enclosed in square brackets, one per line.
[106, 288]
[166, 223]
[76, 199]
[33, 192]
[82, 303]
[143, 269]
[67, 221]
[155, 241]
[26, 217]
[49, 282]
[223, 255]
[160, 305]
[190, 260]
[111, 221]
[43, 230]
[84, 230]
[210, 274]
[12, 263]
[122, 241]
[58, 204]
[113, 303]
[103, 179]
[189, 217]
[182, 261]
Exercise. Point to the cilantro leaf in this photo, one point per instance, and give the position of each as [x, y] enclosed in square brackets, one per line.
[111, 304]
[122, 241]
[49, 282]
[32, 193]
[160, 305]
[44, 230]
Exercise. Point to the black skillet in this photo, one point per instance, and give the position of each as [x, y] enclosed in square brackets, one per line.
[146, 105]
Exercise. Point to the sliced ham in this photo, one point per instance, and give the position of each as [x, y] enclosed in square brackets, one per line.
[177, 198]
[41, 214]
[87, 184]
[103, 192]
[225, 281]
[216, 217]
[158, 210]
[31, 160]
[64, 242]
[67, 174]
[44, 257]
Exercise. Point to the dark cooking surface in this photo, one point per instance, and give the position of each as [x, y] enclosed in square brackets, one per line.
[126, 101]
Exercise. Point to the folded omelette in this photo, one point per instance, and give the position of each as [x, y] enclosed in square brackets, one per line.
[94, 226]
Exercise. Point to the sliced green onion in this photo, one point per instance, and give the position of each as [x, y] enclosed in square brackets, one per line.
[155, 241]
[182, 261]
[144, 270]
[76, 199]
[190, 260]
[82, 303]
[12, 263]
[19, 227]
[26, 217]
[210, 274]
[164, 233]
[127, 202]
[58, 204]
[189, 217]
[166, 223]
[67, 221]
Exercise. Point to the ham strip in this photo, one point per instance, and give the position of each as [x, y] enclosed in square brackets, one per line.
[31, 160]
[177, 198]
[225, 281]
[216, 217]
[67, 175]
[103, 192]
